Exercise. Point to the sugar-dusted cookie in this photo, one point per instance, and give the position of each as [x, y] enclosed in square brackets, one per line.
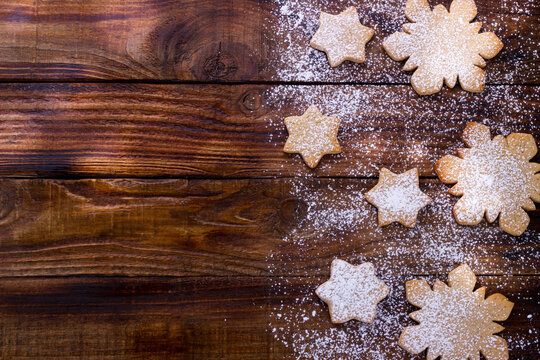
[443, 45]
[312, 135]
[455, 322]
[397, 197]
[493, 177]
[352, 292]
[342, 37]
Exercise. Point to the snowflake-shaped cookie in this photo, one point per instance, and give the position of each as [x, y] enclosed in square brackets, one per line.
[342, 37]
[494, 177]
[397, 197]
[312, 135]
[455, 322]
[443, 46]
[352, 292]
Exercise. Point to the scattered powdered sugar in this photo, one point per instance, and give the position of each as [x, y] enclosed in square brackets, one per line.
[296, 21]
[392, 124]
[335, 212]
[304, 327]
[532, 330]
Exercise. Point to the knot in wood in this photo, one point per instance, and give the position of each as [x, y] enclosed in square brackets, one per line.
[220, 66]
[251, 100]
[292, 211]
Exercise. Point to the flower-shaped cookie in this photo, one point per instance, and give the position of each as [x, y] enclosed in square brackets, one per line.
[352, 292]
[455, 322]
[313, 135]
[443, 45]
[494, 177]
[342, 37]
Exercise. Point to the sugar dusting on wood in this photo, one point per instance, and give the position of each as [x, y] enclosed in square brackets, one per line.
[297, 20]
[370, 115]
[333, 215]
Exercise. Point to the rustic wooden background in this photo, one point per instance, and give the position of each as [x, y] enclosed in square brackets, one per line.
[144, 187]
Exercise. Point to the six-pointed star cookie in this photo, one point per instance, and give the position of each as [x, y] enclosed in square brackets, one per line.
[312, 135]
[342, 37]
[398, 197]
[352, 292]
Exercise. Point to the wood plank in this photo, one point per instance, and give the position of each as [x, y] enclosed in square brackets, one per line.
[128, 130]
[245, 227]
[234, 40]
[219, 318]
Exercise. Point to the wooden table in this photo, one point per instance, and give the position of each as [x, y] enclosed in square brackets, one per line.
[148, 211]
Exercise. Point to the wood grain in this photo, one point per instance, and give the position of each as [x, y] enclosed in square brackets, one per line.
[225, 41]
[207, 318]
[216, 131]
[247, 227]
[142, 218]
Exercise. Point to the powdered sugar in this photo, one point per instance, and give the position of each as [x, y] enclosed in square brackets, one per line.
[296, 21]
[495, 177]
[388, 126]
[397, 197]
[335, 221]
[352, 292]
[342, 37]
[455, 321]
[382, 126]
[443, 45]
[322, 341]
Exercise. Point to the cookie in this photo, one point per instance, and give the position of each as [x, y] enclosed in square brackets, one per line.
[352, 292]
[443, 46]
[455, 322]
[312, 135]
[342, 37]
[494, 177]
[397, 197]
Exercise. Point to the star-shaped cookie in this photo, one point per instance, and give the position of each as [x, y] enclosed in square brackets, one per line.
[312, 135]
[398, 197]
[342, 37]
[352, 292]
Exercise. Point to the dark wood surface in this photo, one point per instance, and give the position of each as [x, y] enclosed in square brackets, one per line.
[236, 227]
[203, 318]
[216, 131]
[232, 40]
[148, 212]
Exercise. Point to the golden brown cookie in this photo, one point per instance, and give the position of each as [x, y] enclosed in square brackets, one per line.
[443, 45]
[352, 292]
[455, 322]
[494, 177]
[397, 197]
[342, 37]
[312, 135]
